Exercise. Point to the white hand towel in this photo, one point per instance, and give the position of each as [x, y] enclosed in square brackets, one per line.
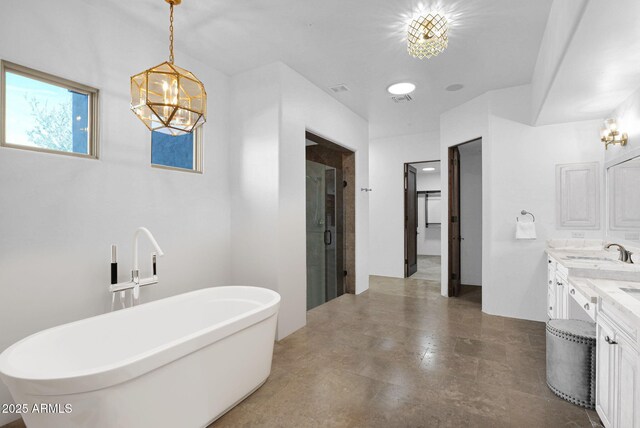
[525, 230]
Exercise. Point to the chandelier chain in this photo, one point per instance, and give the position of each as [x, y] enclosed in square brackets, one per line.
[171, 33]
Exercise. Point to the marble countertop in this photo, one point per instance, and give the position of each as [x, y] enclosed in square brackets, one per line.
[597, 272]
[595, 263]
[614, 293]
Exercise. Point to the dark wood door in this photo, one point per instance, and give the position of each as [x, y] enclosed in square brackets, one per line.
[411, 221]
[454, 222]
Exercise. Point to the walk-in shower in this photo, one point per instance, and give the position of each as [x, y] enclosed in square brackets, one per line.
[325, 234]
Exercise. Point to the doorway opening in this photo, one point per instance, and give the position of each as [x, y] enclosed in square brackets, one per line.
[330, 220]
[465, 220]
[422, 204]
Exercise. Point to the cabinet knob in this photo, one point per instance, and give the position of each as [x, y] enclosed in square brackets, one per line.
[559, 283]
[586, 306]
[549, 261]
[550, 282]
[550, 308]
[573, 291]
[610, 341]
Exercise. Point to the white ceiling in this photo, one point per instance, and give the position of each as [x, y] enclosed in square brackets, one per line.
[599, 69]
[433, 164]
[360, 43]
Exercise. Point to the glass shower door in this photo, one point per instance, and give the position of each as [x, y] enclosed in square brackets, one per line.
[324, 234]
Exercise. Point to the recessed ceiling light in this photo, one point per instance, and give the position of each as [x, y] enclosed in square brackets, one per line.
[454, 87]
[402, 88]
[428, 169]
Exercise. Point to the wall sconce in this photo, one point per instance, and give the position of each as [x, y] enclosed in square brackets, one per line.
[610, 134]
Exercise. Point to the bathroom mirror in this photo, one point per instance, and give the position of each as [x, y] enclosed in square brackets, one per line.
[623, 200]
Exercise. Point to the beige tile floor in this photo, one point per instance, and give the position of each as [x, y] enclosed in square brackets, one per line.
[428, 268]
[400, 355]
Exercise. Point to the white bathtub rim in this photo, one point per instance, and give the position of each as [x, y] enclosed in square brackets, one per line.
[104, 376]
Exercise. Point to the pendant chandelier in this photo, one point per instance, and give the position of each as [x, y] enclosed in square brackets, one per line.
[168, 98]
[428, 36]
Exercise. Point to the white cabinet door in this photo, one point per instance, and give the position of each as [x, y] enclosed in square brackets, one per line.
[562, 298]
[577, 196]
[605, 373]
[628, 395]
[559, 300]
[551, 290]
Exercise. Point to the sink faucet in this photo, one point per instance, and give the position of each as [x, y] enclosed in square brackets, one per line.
[136, 282]
[625, 255]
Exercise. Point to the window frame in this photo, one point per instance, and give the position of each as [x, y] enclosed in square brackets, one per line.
[92, 93]
[198, 148]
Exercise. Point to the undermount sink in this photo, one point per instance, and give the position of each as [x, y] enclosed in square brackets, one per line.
[601, 259]
[633, 292]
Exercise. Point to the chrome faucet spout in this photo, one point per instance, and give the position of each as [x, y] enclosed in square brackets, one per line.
[135, 273]
[625, 255]
[153, 241]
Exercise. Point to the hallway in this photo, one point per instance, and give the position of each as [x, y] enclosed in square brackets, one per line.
[402, 355]
[428, 268]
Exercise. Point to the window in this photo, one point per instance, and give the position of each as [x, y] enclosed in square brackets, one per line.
[47, 113]
[182, 152]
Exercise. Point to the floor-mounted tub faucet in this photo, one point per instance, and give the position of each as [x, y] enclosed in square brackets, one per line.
[135, 272]
[137, 282]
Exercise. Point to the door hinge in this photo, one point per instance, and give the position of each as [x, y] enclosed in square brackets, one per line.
[406, 261]
[406, 181]
[454, 276]
[344, 184]
[344, 272]
[454, 219]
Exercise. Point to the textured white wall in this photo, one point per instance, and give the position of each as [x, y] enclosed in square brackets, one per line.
[273, 107]
[459, 125]
[387, 159]
[428, 180]
[518, 172]
[59, 214]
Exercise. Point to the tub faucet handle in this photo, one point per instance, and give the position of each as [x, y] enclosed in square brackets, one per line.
[154, 259]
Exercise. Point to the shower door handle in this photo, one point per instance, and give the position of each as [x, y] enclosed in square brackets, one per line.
[328, 239]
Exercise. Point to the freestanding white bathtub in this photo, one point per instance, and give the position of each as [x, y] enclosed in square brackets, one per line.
[176, 362]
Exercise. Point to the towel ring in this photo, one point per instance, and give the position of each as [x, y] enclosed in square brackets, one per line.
[523, 212]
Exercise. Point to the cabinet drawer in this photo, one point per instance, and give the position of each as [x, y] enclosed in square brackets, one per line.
[582, 300]
[551, 303]
[619, 321]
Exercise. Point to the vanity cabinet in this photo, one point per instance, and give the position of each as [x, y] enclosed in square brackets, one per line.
[605, 373]
[558, 291]
[617, 371]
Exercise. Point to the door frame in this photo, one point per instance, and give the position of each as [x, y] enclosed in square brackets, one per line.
[453, 290]
[404, 199]
[348, 167]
